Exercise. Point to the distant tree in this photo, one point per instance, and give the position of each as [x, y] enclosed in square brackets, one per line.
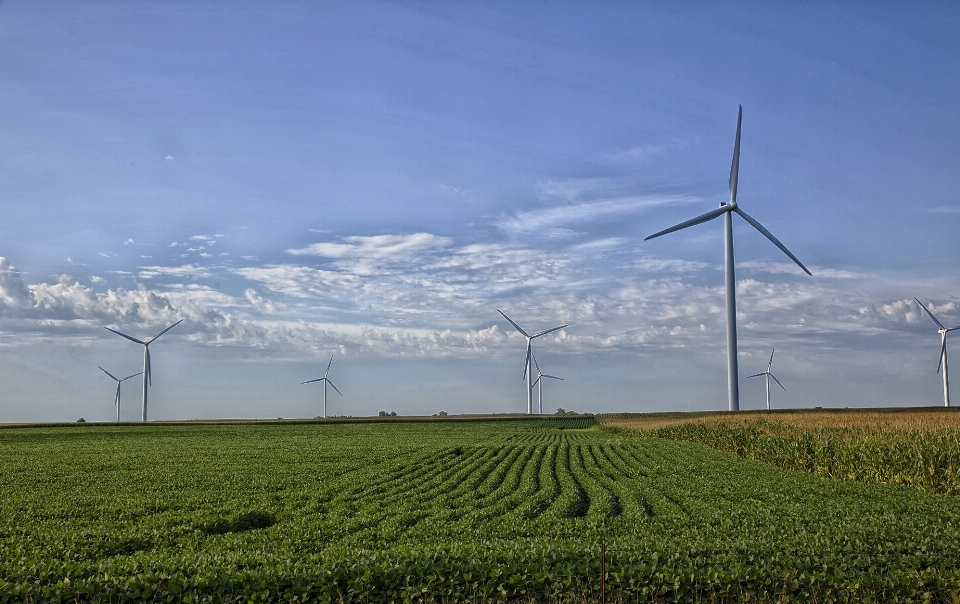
[393, 414]
[384, 414]
[442, 413]
[81, 421]
[560, 411]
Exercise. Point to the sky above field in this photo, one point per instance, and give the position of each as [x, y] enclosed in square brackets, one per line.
[374, 180]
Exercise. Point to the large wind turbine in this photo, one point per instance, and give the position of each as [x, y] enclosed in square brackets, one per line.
[727, 210]
[539, 383]
[116, 399]
[527, 369]
[943, 353]
[768, 375]
[325, 381]
[147, 378]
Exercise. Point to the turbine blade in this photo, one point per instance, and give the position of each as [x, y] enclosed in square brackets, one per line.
[770, 236]
[123, 335]
[312, 381]
[116, 399]
[526, 362]
[552, 377]
[935, 320]
[546, 331]
[131, 376]
[693, 221]
[517, 327]
[334, 387]
[536, 381]
[943, 351]
[770, 362]
[756, 375]
[777, 381]
[535, 362]
[325, 373]
[107, 372]
[149, 370]
[954, 328]
[165, 331]
[735, 165]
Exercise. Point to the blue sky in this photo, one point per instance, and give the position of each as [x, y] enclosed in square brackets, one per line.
[374, 180]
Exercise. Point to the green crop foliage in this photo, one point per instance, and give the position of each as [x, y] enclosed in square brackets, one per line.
[925, 459]
[447, 511]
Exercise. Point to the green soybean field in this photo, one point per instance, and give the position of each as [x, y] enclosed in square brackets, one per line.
[447, 511]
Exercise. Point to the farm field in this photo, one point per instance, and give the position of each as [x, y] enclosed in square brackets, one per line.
[909, 446]
[447, 511]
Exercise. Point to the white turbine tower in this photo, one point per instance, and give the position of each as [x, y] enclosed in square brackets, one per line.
[768, 375]
[943, 352]
[727, 210]
[527, 368]
[147, 377]
[325, 381]
[539, 383]
[116, 399]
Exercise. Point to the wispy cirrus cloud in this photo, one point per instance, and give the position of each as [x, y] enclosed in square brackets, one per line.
[545, 219]
[789, 268]
[186, 271]
[363, 255]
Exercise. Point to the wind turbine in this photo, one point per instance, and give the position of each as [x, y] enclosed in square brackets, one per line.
[943, 353]
[769, 375]
[116, 399]
[727, 210]
[527, 369]
[539, 383]
[325, 381]
[147, 377]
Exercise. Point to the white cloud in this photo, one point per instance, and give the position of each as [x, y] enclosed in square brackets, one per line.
[189, 271]
[545, 219]
[363, 255]
[643, 152]
[792, 269]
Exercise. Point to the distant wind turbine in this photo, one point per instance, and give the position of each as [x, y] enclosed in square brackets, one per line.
[325, 381]
[116, 399]
[527, 368]
[943, 352]
[769, 375]
[539, 383]
[727, 210]
[147, 377]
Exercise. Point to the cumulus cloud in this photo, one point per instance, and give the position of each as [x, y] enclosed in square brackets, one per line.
[13, 292]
